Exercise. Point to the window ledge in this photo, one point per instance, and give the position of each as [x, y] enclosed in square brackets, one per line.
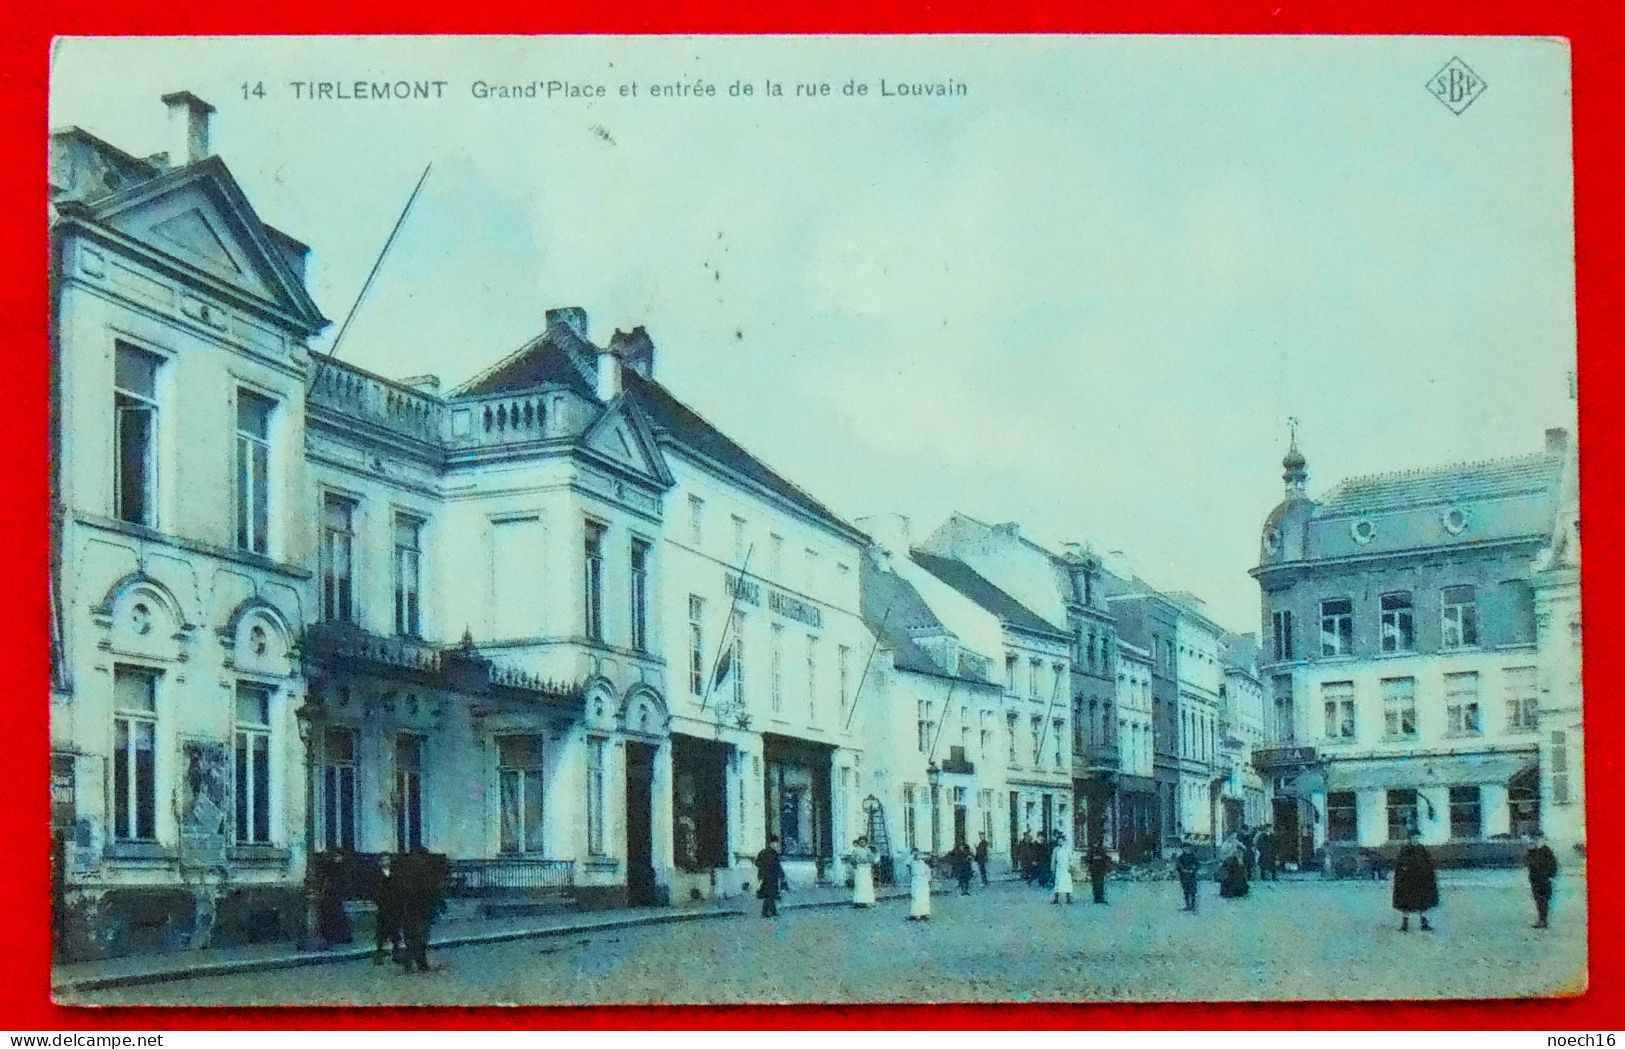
[139, 850]
[602, 864]
[262, 855]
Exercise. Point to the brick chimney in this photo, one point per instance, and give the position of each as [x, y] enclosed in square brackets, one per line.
[188, 128]
[572, 317]
[636, 349]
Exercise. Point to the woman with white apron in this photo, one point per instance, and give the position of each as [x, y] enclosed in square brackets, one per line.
[919, 908]
[863, 874]
[1061, 865]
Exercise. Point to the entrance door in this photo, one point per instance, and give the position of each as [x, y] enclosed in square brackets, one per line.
[1015, 825]
[1286, 830]
[640, 871]
[961, 825]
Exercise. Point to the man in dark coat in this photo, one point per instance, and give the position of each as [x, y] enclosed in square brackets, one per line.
[1233, 877]
[1186, 867]
[1542, 866]
[422, 877]
[1100, 865]
[1416, 884]
[386, 896]
[1045, 860]
[964, 866]
[981, 857]
[1026, 856]
[770, 880]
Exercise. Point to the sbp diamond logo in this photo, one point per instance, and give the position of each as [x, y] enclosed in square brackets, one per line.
[1456, 85]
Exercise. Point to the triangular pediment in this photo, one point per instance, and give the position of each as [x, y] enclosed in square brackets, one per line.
[622, 434]
[198, 217]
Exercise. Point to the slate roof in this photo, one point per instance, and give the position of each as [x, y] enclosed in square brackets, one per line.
[1458, 483]
[968, 581]
[561, 356]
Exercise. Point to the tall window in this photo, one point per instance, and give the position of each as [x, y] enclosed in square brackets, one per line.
[696, 645]
[252, 764]
[1398, 623]
[775, 667]
[253, 470]
[1401, 814]
[1337, 627]
[597, 753]
[1033, 669]
[1058, 733]
[408, 792]
[135, 435]
[696, 519]
[842, 659]
[1338, 699]
[1342, 816]
[135, 731]
[1285, 731]
[1037, 738]
[1462, 716]
[338, 559]
[1523, 699]
[1010, 737]
[519, 781]
[738, 534]
[336, 787]
[592, 583]
[1466, 813]
[1399, 707]
[923, 724]
[812, 572]
[640, 595]
[775, 556]
[812, 679]
[1010, 672]
[408, 558]
[1460, 617]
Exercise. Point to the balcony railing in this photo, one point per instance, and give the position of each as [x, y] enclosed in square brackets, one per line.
[360, 395]
[511, 874]
[499, 419]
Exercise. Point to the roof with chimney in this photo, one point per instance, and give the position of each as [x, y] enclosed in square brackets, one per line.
[561, 355]
[896, 613]
[965, 579]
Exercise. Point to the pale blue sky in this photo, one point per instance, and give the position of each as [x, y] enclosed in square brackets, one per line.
[1084, 297]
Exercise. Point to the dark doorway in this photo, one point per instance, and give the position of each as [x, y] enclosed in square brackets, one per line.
[1286, 830]
[699, 803]
[961, 825]
[640, 871]
[1015, 825]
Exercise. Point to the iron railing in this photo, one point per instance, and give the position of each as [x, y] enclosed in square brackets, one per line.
[505, 874]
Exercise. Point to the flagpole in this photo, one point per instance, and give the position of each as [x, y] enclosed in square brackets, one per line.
[865, 675]
[945, 703]
[727, 624]
[1044, 733]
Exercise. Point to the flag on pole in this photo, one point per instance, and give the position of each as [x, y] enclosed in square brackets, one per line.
[724, 665]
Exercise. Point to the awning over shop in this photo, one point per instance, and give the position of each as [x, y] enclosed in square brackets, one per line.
[1429, 770]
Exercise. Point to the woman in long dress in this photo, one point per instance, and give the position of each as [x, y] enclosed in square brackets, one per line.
[1061, 866]
[863, 874]
[919, 909]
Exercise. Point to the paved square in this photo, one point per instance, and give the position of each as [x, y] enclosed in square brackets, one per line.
[1305, 939]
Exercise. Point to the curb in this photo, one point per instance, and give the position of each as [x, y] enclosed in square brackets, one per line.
[347, 954]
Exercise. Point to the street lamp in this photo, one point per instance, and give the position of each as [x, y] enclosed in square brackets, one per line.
[305, 717]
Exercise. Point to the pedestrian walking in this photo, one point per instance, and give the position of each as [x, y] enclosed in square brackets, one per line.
[863, 873]
[1416, 884]
[1186, 867]
[1266, 855]
[1061, 869]
[1542, 864]
[386, 897]
[981, 857]
[1249, 854]
[1100, 865]
[964, 866]
[770, 881]
[919, 876]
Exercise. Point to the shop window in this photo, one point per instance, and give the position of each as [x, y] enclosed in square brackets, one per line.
[1342, 816]
[1401, 814]
[1466, 813]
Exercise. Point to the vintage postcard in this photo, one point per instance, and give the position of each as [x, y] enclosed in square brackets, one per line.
[833, 519]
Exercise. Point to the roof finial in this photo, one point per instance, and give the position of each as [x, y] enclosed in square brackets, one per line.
[1296, 467]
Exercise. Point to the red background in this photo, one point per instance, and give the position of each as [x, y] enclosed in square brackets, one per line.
[1595, 29]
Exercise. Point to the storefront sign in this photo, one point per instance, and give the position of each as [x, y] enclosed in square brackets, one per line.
[745, 591]
[1275, 757]
[748, 592]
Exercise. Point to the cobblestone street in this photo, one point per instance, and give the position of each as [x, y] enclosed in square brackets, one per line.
[1302, 939]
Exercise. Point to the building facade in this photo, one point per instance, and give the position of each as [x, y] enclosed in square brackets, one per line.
[1400, 656]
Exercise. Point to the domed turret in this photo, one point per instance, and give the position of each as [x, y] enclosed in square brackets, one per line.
[1294, 465]
[1283, 534]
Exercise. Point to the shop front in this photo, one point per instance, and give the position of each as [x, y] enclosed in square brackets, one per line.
[700, 816]
[796, 800]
